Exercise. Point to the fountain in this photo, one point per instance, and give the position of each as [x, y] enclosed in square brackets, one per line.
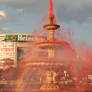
[55, 70]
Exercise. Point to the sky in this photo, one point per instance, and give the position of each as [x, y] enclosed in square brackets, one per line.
[24, 16]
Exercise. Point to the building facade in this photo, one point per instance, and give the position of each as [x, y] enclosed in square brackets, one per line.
[14, 46]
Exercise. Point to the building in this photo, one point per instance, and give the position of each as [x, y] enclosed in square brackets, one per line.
[14, 46]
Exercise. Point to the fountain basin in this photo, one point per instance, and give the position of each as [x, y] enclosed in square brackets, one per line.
[51, 26]
[52, 44]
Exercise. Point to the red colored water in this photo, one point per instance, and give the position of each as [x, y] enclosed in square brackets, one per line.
[78, 59]
[51, 6]
[79, 63]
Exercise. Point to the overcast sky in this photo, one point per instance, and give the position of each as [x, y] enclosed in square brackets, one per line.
[24, 16]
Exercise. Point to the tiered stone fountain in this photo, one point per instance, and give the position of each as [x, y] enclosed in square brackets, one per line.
[49, 72]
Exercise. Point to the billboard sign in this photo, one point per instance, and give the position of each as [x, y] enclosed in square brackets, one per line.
[22, 38]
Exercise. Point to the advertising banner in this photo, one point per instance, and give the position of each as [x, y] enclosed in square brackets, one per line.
[23, 38]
